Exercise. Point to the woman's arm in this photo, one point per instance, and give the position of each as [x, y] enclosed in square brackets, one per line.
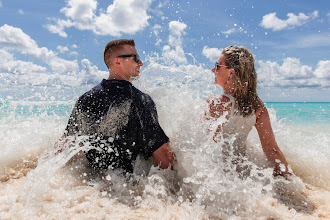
[268, 142]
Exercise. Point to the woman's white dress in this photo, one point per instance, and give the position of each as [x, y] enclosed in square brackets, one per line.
[235, 130]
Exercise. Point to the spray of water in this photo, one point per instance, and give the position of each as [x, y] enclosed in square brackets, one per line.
[206, 182]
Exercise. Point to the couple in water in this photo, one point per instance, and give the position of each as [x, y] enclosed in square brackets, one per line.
[120, 122]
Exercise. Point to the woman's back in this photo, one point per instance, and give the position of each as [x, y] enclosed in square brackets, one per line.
[236, 128]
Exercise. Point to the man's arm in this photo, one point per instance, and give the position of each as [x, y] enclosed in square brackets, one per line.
[164, 157]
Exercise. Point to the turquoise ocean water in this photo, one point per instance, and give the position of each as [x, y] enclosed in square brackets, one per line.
[289, 113]
[302, 113]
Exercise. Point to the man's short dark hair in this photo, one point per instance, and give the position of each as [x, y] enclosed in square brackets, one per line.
[113, 47]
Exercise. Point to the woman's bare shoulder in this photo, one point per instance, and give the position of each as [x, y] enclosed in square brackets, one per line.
[218, 100]
[261, 110]
[218, 106]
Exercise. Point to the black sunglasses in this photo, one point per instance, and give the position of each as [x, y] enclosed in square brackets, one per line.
[137, 57]
[216, 65]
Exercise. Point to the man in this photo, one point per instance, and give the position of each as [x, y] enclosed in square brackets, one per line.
[120, 121]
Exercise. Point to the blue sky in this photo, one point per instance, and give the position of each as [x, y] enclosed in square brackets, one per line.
[58, 45]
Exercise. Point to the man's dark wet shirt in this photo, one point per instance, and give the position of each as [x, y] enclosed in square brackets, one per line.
[119, 121]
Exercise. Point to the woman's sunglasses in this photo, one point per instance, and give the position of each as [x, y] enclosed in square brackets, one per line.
[216, 65]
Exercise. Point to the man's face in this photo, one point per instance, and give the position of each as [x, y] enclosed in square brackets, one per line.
[130, 68]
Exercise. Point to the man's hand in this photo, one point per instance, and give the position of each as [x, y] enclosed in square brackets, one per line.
[164, 157]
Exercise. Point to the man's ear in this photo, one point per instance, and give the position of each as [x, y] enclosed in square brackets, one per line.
[116, 61]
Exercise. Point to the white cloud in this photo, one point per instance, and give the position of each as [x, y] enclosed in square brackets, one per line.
[121, 17]
[9, 65]
[292, 73]
[73, 53]
[293, 68]
[92, 73]
[177, 54]
[177, 30]
[27, 79]
[271, 21]
[163, 3]
[81, 12]
[59, 27]
[232, 30]
[16, 72]
[74, 46]
[158, 41]
[62, 49]
[21, 12]
[156, 28]
[211, 53]
[63, 72]
[15, 39]
[323, 69]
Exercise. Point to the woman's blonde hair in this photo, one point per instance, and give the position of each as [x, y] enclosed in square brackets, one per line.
[245, 92]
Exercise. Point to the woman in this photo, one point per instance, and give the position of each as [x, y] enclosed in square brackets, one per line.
[241, 108]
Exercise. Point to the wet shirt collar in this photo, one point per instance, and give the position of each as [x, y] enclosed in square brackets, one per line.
[107, 82]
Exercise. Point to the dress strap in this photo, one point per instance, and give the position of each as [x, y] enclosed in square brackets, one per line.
[232, 99]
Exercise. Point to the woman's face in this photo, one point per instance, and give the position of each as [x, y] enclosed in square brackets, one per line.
[222, 73]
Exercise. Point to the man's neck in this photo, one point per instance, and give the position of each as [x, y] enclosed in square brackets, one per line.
[116, 76]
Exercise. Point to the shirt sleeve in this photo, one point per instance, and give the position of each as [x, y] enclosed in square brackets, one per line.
[153, 136]
[78, 123]
[73, 125]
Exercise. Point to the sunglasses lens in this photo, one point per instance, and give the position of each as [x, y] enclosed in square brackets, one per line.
[137, 58]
